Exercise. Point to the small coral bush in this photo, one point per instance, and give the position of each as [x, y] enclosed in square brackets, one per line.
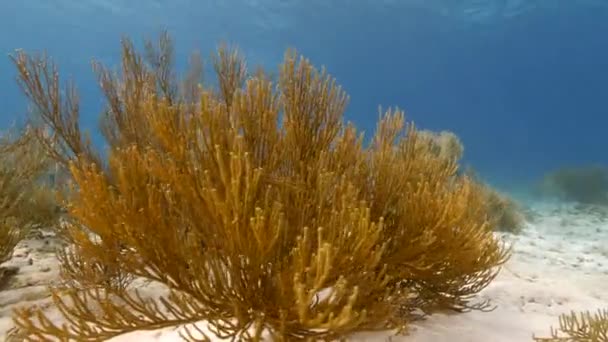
[581, 327]
[256, 207]
[582, 184]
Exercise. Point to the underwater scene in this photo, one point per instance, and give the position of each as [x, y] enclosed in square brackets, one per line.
[320, 170]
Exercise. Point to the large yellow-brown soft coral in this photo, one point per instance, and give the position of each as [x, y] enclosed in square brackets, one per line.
[257, 208]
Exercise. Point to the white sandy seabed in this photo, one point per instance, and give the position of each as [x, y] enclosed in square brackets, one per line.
[559, 264]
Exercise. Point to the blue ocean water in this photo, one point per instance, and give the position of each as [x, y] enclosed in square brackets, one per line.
[523, 83]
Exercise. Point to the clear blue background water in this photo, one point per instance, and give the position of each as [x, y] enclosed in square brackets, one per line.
[523, 83]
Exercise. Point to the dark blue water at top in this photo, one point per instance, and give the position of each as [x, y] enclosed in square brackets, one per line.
[524, 84]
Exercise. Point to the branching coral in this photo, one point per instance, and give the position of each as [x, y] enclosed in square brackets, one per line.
[581, 327]
[504, 213]
[25, 201]
[444, 144]
[256, 206]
